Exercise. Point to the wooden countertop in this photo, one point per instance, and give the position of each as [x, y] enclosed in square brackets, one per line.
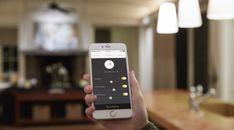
[170, 110]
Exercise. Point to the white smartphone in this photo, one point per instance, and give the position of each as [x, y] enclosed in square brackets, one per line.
[109, 78]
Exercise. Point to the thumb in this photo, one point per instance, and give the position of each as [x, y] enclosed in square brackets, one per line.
[134, 84]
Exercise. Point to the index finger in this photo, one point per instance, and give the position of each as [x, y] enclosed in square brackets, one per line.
[87, 77]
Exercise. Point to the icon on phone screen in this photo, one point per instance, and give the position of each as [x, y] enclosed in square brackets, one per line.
[109, 64]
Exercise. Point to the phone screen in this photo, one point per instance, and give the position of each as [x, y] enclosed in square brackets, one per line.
[110, 79]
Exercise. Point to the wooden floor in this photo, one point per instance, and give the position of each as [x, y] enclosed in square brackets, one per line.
[60, 127]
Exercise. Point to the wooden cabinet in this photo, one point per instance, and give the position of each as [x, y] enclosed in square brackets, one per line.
[41, 107]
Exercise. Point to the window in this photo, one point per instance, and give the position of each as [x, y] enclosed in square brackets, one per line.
[9, 61]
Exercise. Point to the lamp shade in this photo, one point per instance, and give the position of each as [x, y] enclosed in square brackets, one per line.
[167, 19]
[189, 14]
[220, 9]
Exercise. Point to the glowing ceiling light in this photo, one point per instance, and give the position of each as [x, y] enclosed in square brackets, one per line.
[167, 19]
[220, 9]
[189, 14]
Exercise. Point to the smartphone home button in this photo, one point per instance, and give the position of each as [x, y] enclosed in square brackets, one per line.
[113, 113]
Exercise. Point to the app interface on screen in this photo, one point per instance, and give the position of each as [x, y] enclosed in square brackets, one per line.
[110, 80]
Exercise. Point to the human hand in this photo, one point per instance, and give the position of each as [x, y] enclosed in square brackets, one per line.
[139, 117]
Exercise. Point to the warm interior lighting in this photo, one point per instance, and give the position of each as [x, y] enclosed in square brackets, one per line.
[189, 14]
[167, 19]
[220, 9]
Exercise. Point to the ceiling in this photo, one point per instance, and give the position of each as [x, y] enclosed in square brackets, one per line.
[100, 12]
[123, 8]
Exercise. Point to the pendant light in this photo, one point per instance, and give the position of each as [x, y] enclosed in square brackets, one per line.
[220, 9]
[189, 14]
[167, 19]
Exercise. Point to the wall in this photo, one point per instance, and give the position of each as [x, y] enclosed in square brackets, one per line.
[221, 61]
[8, 36]
[129, 36]
[164, 61]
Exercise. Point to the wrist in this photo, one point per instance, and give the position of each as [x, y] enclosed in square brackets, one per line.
[140, 125]
[149, 126]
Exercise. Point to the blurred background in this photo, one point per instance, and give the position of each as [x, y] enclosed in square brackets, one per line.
[44, 53]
